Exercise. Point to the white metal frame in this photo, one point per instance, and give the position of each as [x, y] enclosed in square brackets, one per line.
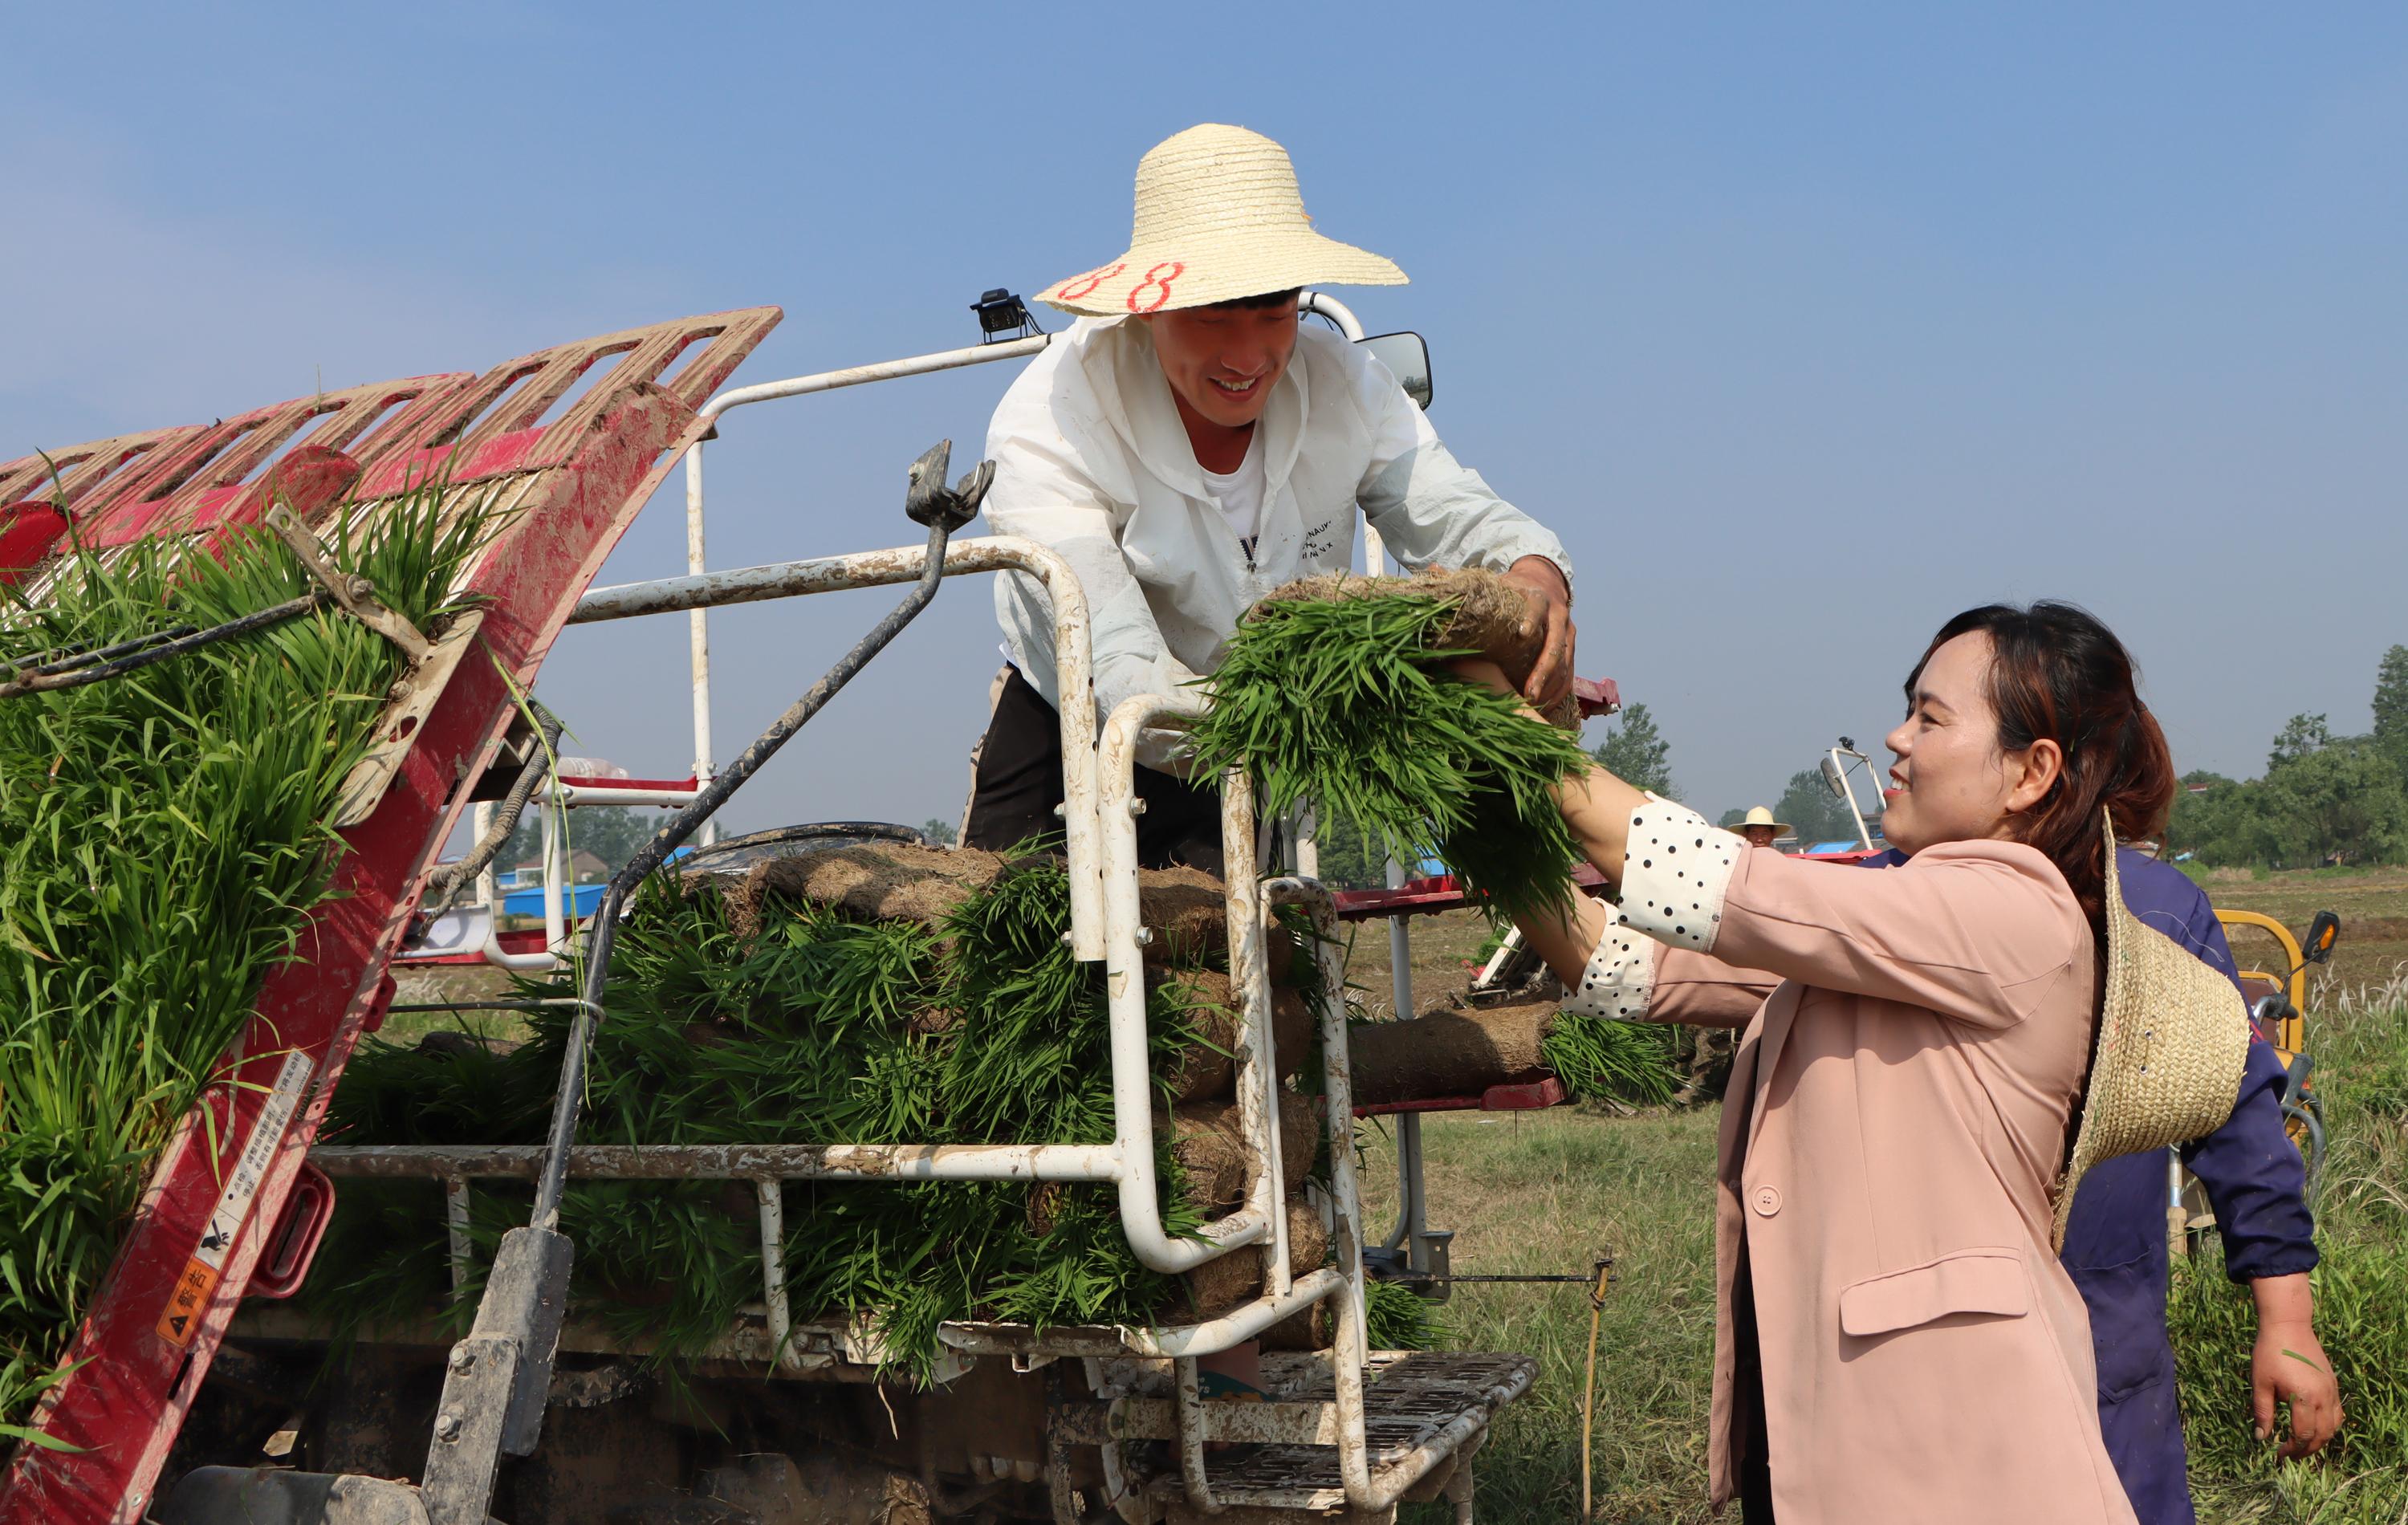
[557, 796]
[1848, 790]
[1099, 817]
[697, 627]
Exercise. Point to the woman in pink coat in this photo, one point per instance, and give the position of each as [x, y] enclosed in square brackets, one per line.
[1895, 1339]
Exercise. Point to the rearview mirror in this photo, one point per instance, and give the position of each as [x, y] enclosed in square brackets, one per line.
[1406, 356]
[1832, 776]
[2323, 933]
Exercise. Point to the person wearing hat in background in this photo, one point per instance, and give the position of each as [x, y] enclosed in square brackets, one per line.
[1760, 828]
[1895, 1337]
[1711, 1047]
[1187, 446]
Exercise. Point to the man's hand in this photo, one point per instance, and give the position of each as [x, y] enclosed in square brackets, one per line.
[1550, 676]
[2289, 1366]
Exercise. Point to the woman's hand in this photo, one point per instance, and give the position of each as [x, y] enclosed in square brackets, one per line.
[1596, 804]
[1480, 670]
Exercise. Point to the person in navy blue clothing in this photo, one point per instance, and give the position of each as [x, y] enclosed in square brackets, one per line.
[2115, 1247]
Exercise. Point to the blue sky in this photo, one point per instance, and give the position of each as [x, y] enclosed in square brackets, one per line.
[1803, 330]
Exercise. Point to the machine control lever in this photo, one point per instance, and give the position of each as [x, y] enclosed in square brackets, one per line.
[931, 502]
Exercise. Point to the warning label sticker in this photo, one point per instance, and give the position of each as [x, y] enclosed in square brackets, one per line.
[206, 1267]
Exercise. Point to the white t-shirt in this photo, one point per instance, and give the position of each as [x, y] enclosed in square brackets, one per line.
[1239, 493]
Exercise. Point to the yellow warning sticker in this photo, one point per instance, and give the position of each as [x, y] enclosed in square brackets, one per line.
[193, 1288]
[186, 1303]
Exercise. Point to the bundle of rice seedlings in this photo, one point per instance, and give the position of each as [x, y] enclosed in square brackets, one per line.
[1339, 694]
[163, 839]
[1397, 1317]
[737, 1015]
[1462, 1053]
[1602, 1059]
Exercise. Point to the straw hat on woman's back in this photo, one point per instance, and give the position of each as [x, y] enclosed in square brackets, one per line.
[1218, 218]
[2173, 1036]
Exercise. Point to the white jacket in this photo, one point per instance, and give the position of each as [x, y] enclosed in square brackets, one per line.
[1092, 460]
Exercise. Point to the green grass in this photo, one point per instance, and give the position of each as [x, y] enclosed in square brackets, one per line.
[1546, 1192]
[163, 841]
[2361, 1039]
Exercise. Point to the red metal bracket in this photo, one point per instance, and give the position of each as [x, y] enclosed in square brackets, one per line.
[294, 1243]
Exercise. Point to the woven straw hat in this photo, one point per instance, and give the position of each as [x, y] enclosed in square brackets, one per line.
[1218, 218]
[2172, 1039]
[1759, 816]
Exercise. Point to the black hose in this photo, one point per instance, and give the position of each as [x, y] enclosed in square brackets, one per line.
[75, 669]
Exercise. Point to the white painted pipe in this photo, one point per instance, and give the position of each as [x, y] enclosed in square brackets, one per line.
[1072, 659]
[1335, 310]
[883, 371]
[698, 634]
[1125, 989]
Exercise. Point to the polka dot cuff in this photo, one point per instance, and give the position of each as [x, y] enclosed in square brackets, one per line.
[1674, 872]
[1620, 976]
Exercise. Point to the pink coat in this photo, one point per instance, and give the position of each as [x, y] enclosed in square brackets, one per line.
[1896, 1115]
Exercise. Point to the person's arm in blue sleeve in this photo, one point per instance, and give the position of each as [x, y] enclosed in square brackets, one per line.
[2255, 1179]
[2252, 1172]
[2257, 1184]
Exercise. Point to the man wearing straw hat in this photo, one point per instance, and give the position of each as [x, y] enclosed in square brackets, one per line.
[1760, 828]
[1187, 447]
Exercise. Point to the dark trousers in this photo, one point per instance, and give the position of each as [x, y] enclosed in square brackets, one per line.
[1017, 787]
[1750, 1447]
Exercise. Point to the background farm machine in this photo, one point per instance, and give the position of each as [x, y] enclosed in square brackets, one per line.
[535, 1417]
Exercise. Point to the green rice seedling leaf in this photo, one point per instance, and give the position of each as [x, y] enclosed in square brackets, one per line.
[1604, 1058]
[1350, 706]
[164, 840]
[1396, 1317]
[818, 1029]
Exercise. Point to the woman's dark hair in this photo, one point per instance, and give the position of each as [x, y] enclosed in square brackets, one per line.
[2057, 673]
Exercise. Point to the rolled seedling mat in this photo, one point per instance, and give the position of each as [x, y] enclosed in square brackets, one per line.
[1219, 1285]
[1184, 909]
[1207, 1069]
[1449, 1053]
[1209, 1147]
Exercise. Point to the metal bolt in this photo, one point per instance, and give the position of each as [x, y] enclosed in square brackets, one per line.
[1144, 937]
[463, 1358]
[447, 1427]
[1137, 807]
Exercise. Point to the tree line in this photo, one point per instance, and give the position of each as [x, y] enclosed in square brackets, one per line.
[2323, 798]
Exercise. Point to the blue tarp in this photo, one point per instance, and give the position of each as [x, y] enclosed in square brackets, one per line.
[578, 901]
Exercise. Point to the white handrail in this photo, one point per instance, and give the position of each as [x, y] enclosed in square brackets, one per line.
[904, 564]
[698, 620]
